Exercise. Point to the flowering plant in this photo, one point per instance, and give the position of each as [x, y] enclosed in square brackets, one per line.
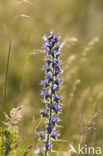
[51, 86]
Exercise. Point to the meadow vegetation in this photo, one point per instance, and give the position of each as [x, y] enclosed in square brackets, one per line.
[24, 22]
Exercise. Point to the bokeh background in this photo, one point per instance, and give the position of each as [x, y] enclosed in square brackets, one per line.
[80, 24]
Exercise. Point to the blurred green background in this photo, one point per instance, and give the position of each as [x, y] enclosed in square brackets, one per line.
[80, 24]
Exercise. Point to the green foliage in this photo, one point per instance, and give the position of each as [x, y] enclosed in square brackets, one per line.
[11, 144]
[9, 141]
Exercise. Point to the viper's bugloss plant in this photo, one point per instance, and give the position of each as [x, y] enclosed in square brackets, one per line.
[51, 86]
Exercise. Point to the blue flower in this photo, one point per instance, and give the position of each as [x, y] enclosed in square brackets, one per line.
[45, 38]
[57, 88]
[47, 102]
[50, 129]
[47, 121]
[54, 120]
[58, 55]
[58, 71]
[60, 46]
[56, 108]
[54, 134]
[58, 81]
[47, 68]
[45, 83]
[47, 60]
[47, 45]
[51, 52]
[45, 94]
[54, 88]
[41, 134]
[56, 63]
[49, 78]
[52, 33]
[48, 145]
[47, 49]
[57, 37]
[57, 98]
[55, 50]
[44, 113]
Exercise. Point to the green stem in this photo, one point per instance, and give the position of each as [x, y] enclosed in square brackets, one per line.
[5, 92]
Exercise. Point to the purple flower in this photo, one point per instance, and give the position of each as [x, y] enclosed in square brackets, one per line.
[57, 88]
[57, 37]
[47, 49]
[47, 60]
[56, 63]
[45, 83]
[54, 134]
[54, 120]
[58, 71]
[48, 145]
[47, 121]
[47, 68]
[49, 78]
[47, 102]
[60, 46]
[52, 33]
[50, 129]
[44, 113]
[56, 108]
[58, 81]
[45, 38]
[54, 88]
[41, 134]
[58, 55]
[45, 94]
[55, 50]
[57, 98]
[51, 52]
[47, 44]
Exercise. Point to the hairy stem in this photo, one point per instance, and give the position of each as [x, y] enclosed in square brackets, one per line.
[50, 113]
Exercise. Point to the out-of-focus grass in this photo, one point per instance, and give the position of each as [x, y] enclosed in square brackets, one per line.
[80, 24]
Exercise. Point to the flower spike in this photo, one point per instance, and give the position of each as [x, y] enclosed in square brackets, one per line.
[51, 86]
